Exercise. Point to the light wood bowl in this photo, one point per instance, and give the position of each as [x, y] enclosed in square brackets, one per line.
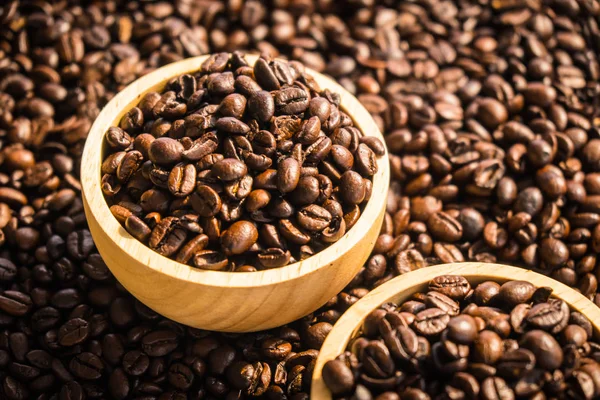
[225, 301]
[402, 287]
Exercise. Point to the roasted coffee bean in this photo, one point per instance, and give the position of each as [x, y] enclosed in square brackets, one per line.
[515, 292]
[313, 218]
[135, 362]
[137, 228]
[443, 226]
[288, 175]
[261, 105]
[239, 237]
[338, 377]
[182, 180]
[211, 260]
[229, 169]
[86, 366]
[431, 321]
[73, 332]
[165, 151]
[15, 303]
[454, 286]
[546, 349]
[167, 236]
[462, 329]
[352, 188]
[159, 343]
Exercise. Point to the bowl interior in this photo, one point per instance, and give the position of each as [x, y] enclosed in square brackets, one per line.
[156, 81]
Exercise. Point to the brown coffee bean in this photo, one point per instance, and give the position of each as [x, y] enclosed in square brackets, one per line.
[73, 332]
[288, 175]
[206, 201]
[239, 237]
[515, 292]
[137, 228]
[454, 286]
[313, 218]
[182, 180]
[444, 227]
[229, 169]
[431, 321]
[165, 151]
[352, 188]
[546, 349]
[366, 162]
[167, 236]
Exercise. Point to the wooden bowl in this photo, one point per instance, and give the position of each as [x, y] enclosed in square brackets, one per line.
[225, 301]
[402, 287]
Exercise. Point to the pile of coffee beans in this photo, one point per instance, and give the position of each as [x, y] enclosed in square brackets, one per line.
[480, 103]
[456, 342]
[239, 168]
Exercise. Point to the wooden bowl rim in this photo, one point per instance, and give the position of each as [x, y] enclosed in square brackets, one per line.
[351, 321]
[98, 207]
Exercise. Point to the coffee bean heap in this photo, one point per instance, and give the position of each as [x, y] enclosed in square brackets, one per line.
[452, 342]
[460, 66]
[239, 168]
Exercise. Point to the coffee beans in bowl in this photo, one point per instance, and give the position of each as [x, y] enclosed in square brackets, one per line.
[177, 202]
[457, 340]
[238, 168]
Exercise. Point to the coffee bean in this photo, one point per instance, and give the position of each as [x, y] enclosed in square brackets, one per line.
[159, 343]
[454, 286]
[73, 332]
[211, 260]
[546, 349]
[137, 228]
[352, 188]
[118, 384]
[86, 366]
[8, 270]
[291, 100]
[431, 321]
[135, 362]
[515, 292]
[462, 329]
[15, 303]
[444, 227]
[338, 377]
[239, 237]
[165, 151]
[313, 218]
[182, 180]
[288, 175]
[366, 162]
[544, 316]
[229, 169]
[496, 388]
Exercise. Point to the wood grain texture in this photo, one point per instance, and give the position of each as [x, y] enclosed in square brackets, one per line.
[224, 301]
[402, 287]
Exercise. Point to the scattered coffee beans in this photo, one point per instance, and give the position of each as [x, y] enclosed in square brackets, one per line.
[239, 168]
[460, 66]
[491, 342]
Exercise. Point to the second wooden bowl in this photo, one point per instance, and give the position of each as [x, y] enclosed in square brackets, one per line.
[224, 301]
[402, 287]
